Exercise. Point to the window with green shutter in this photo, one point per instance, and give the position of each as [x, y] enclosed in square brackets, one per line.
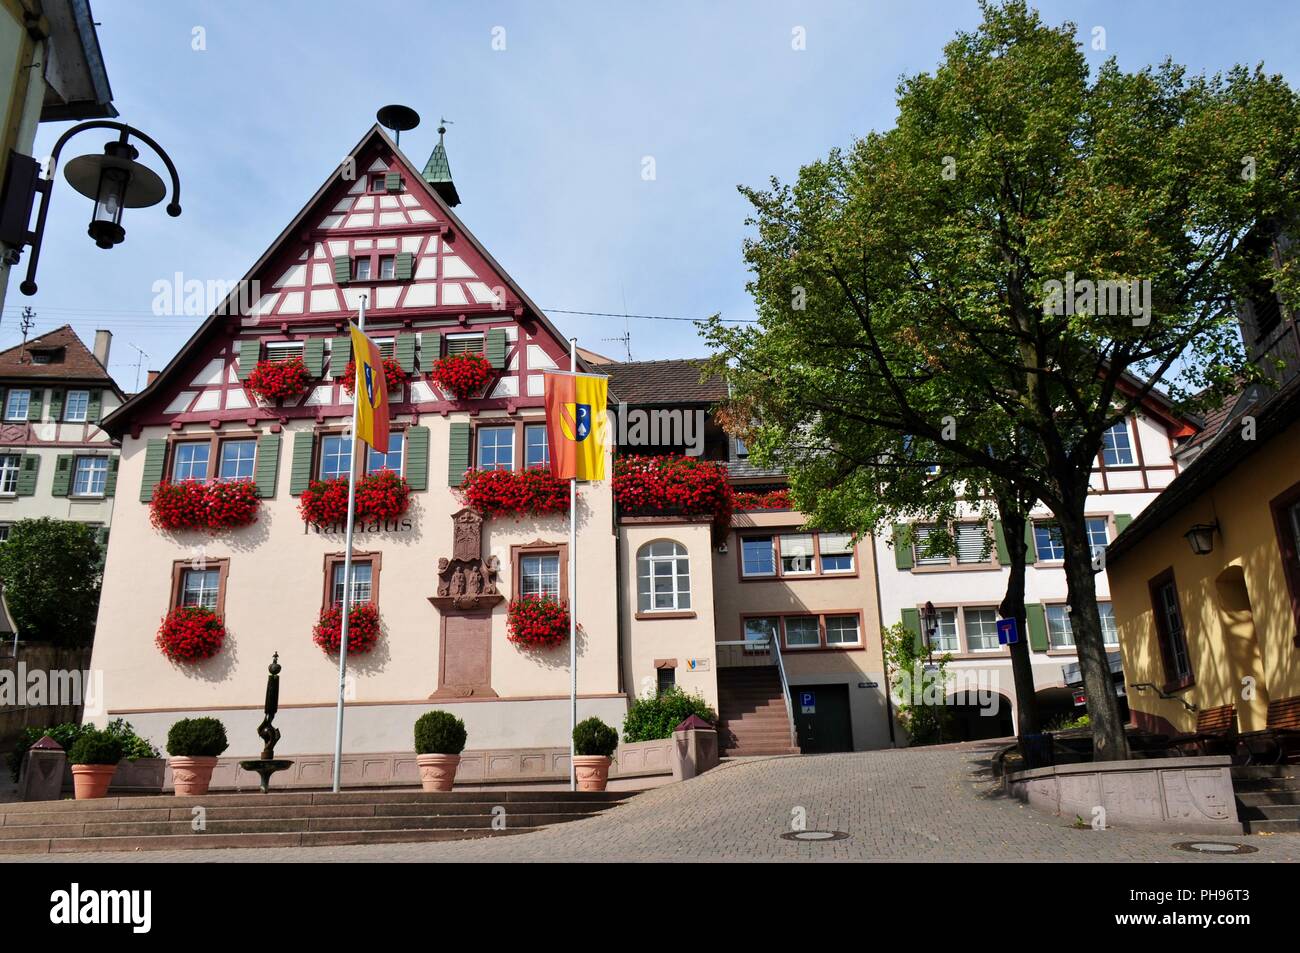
[342, 269]
[56, 405]
[155, 456]
[393, 182]
[404, 266]
[417, 457]
[1000, 543]
[36, 406]
[110, 480]
[1031, 549]
[340, 355]
[267, 468]
[247, 352]
[430, 348]
[1036, 619]
[404, 352]
[902, 546]
[96, 406]
[494, 347]
[1121, 522]
[27, 475]
[313, 355]
[912, 622]
[458, 453]
[300, 472]
[62, 474]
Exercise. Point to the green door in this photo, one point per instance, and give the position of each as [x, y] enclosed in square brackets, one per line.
[821, 718]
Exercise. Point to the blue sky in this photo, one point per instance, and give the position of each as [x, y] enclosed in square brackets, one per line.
[548, 135]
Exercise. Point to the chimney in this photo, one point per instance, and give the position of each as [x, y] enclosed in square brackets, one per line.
[103, 341]
[150, 377]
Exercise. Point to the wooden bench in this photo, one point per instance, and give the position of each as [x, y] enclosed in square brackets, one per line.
[1216, 728]
[1282, 731]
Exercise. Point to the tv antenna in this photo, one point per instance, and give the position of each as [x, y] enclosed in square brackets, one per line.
[397, 118]
[626, 337]
[28, 319]
[139, 362]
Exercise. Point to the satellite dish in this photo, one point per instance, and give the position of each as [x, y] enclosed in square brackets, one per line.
[398, 118]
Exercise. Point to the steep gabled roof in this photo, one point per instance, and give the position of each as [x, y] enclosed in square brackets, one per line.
[118, 421]
[75, 364]
[674, 381]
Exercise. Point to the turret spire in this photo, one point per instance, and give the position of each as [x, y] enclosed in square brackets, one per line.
[437, 171]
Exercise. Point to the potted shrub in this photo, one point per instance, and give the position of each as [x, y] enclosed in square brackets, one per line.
[439, 740]
[194, 745]
[593, 744]
[94, 757]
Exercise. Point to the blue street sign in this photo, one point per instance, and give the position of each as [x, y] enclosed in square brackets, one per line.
[807, 703]
[1008, 633]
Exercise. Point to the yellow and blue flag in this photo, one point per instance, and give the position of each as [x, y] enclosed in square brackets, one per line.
[575, 424]
[371, 391]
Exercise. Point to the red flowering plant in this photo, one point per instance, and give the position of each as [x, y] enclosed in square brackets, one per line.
[363, 628]
[539, 621]
[515, 492]
[771, 500]
[191, 504]
[463, 375]
[393, 375]
[275, 380]
[382, 495]
[674, 485]
[191, 634]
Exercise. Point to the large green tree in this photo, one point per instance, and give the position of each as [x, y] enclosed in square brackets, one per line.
[928, 282]
[51, 571]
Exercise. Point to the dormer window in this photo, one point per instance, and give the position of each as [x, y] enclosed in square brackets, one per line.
[377, 182]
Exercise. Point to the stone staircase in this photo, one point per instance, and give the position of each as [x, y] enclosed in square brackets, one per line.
[752, 714]
[307, 819]
[1268, 798]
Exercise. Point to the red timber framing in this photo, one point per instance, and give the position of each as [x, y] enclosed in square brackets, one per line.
[447, 284]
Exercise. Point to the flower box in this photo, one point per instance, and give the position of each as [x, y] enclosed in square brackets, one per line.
[277, 380]
[192, 505]
[384, 495]
[191, 634]
[463, 375]
[515, 492]
[394, 376]
[675, 485]
[363, 628]
[771, 500]
[537, 621]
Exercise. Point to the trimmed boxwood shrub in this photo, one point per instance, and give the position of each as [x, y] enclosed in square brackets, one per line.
[439, 732]
[649, 719]
[594, 737]
[66, 734]
[197, 738]
[96, 747]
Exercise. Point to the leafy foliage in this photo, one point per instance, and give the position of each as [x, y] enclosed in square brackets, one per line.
[439, 732]
[96, 747]
[51, 571]
[594, 737]
[66, 734]
[655, 716]
[917, 686]
[197, 738]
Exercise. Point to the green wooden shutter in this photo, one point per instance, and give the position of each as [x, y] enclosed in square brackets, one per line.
[300, 474]
[417, 457]
[313, 355]
[110, 480]
[96, 406]
[1036, 619]
[1000, 541]
[62, 474]
[155, 455]
[458, 454]
[342, 269]
[268, 464]
[56, 405]
[404, 266]
[247, 351]
[36, 406]
[494, 347]
[27, 475]
[1031, 549]
[430, 348]
[392, 182]
[404, 352]
[902, 546]
[101, 535]
[912, 621]
[340, 354]
[1121, 522]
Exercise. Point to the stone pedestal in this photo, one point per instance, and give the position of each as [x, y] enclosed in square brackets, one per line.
[43, 768]
[694, 752]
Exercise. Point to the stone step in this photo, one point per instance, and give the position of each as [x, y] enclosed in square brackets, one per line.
[742, 752]
[1258, 771]
[1265, 798]
[56, 845]
[1270, 812]
[1271, 826]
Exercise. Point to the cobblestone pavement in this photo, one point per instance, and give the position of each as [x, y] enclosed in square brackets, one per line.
[924, 804]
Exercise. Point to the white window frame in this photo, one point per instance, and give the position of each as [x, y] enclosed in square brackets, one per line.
[771, 546]
[176, 459]
[84, 395]
[541, 574]
[478, 447]
[221, 459]
[679, 582]
[1131, 449]
[202, 589]
[397, 437]
[26, 395]
[826, 628]
[280, 351]
[360, 587]
[785, 631]
[966, 629]
[464, 343]
[11, 465]
[95, 467]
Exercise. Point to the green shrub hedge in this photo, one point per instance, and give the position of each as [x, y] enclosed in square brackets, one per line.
[439, 732]
[66, 734]
[649, 719]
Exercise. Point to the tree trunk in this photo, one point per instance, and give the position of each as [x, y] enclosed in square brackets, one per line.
[1013, 607]
[1108, 739]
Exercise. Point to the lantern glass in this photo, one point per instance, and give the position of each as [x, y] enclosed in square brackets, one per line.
[1201, 538]
[106, 224]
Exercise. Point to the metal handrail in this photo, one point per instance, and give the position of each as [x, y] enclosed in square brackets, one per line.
[772, 645]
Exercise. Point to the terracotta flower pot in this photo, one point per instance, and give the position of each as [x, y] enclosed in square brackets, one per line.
[92, 780]
[191, 776]
[437, 771]
[592, 771]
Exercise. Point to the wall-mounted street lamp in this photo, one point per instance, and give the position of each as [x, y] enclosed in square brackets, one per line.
[929, 625]
[113, 181]
[1201, 538]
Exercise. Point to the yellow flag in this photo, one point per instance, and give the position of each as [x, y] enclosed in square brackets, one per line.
[575, 424]
[371, 391]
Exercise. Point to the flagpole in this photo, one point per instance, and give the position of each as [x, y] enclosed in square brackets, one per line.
[347, 568]
[573, 597]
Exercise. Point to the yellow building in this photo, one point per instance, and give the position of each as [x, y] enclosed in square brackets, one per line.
[1201, 629]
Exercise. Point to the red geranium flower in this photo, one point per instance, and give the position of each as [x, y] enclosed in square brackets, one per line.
[676, 485]
[363, 628]
[538, 621]
[383, 495]
[463, 375]
[515, 492]
[191, 634]
[194, 505]
[274, 380]
[393, 375]
[771, 500]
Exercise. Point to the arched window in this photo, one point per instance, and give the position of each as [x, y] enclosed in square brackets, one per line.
[663, 577]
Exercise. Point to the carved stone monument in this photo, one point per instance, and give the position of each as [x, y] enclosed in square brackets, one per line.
[467, 591]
